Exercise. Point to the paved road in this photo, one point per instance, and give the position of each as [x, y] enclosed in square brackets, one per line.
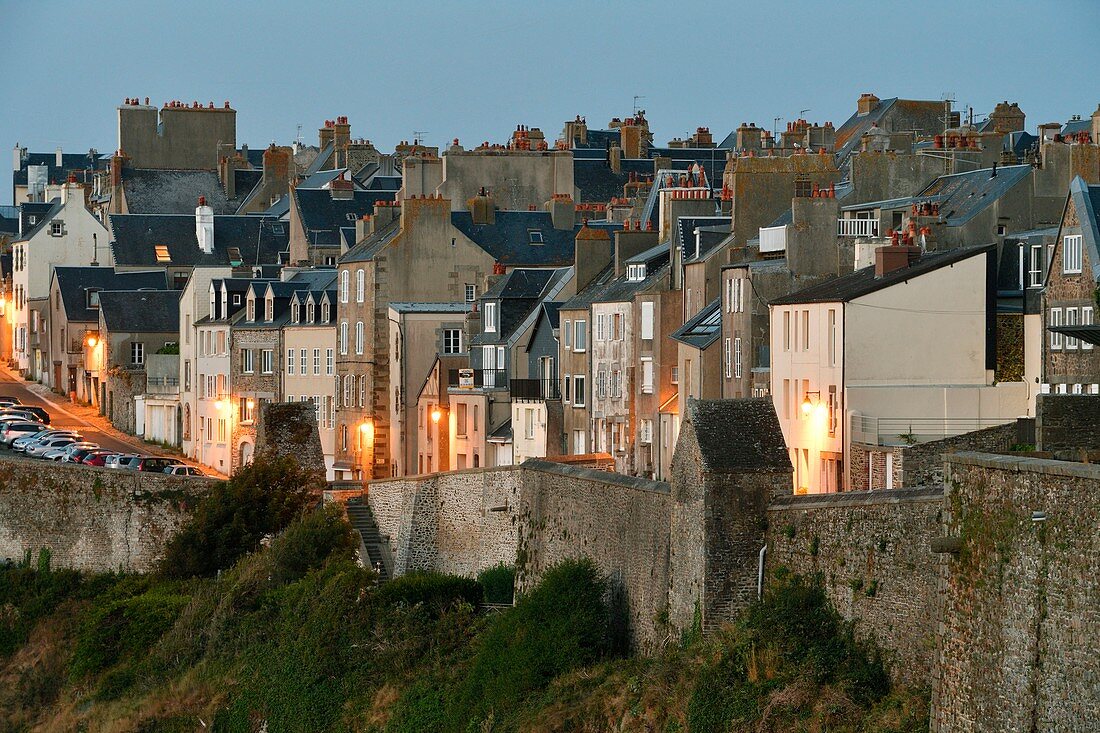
[62, 418]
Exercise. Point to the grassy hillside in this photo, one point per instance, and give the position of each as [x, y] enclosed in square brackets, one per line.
[297, 637]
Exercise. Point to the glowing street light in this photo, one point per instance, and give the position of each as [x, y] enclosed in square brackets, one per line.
[219, 404]
[807, 405]
[436, 415]
[92, 340]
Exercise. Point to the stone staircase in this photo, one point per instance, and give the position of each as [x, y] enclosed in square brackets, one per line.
[361, 518]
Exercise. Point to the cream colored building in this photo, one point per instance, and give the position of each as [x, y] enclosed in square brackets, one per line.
[891, 355]
[68, 234]
[195, 305]
[312, 331]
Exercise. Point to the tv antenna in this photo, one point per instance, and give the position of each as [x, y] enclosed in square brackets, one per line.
[802, 112]
[636, 98]
[418, 135]
[298, 137]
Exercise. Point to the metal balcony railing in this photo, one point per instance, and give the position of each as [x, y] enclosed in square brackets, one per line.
[477, 378]
[857, 227]
[871, 430]
[535, 389]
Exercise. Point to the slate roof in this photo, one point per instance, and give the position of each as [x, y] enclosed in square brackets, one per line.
[704, 328]
[140, 311]
[646, 256]
[519, 293]
[851, 132]
[508, 239]
[583, 299]
[1075, 126]
[159, 191]
[599, 140]
[321, 178]
[622, 289]
[73, 283]
[961, 196]
[370, 246]
[1087, 201]
[738, 435]
[322, 215]
[685, 233]
[42, 216]
[520, 283]
[135, 237]
[503, 433]
[597, 183]
[245, 179]
[9, 220]
[318, 163]
[863, 282]
[69, 162]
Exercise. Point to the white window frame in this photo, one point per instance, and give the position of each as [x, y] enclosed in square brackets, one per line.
[452, 340]
[580, 336]
[317, 362]
[343, 338]
[345, 278]
[1071, 320]
[1035, 267]
[267, 361]
[567, 388]
[137, 353]
[1055, 319]
[567, 335]
[330, 362]
[578, 390]
[359, 338]
[471, 292]
[490, 321]
[737, 369]
[727, 356]
[1072, 254]
[290, 362]
[647, 375]
[360, 285]
[1086, 320]
[647, 320]
[248, 365]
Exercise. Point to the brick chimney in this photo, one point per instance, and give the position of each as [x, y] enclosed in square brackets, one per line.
[204, 226]
[341, 138]
[324, 135]
[482, 208]
[1096, 126]
[277, 165]
[384, 213]
[867, 103]
[341, 188]
[894, 257]
[594, 251]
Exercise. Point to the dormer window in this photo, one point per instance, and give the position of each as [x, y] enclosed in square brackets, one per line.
[235, 258]
[163, 257]
[310, 312]
[236, 298]
[213, 303]
[489, 317]
[635, 273]
[276, 228]
[92, 297]
[534, 236]
[325, 312]
[295, 313]
[269, 309]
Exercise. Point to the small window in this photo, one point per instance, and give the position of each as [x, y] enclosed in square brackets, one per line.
[471, 293]
[490, 321]
[57, 228]
[635, 273]
[1035, 270]
[578, 390]
[580, 335]
[1055, 320]
[1071, 254]
[452, 341]
[93, 297]
[534, 236]
[162, 254]
[137, 353]
[277, 228]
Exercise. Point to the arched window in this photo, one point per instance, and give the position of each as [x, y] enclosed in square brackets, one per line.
[348, 380]
[343, 338]
[360, 285]
[362, 390]
[344, 274]
[359, 338]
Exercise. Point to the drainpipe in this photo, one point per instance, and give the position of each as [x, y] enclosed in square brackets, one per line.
[760, 573]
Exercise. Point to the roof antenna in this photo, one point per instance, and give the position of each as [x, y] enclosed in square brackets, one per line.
[95, 250]
[636, 98]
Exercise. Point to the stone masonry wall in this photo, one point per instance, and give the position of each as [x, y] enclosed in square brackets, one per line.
[91, 518]
[290, 428]
[460, 522]
[922, 464]
[1066, 422]
[1016, 643]
[872, 552]
[620, 522]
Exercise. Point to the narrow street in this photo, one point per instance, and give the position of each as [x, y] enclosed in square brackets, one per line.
[90, 424]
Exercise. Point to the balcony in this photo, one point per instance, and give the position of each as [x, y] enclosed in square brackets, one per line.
[535, 389]
[477, 378]
[856, 228]
[884, 431]
[773, 239]
[162, 385]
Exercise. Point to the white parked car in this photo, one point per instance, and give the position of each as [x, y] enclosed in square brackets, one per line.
[119, 461]
[60, 454]
[19, 429]
[182, 470]
[39, 448]
[21, 444]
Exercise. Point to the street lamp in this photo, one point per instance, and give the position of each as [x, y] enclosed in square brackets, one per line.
[366, 430]
[92, 340]
[219, 404]
[807, 404]
[436, 415]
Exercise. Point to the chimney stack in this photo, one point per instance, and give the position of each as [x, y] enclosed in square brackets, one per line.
[894, 257]
[58, 159]
[204, 226]
[867, 103]
[482, 208]
[562, 211]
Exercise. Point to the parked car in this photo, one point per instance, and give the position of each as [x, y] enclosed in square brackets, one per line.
[6, 400]
[38, 449]
[11, 413]
[40, 412]
[60, 454]
[21, 444]
[131, 462]
[181, 470]
[17, 429]
[79, 454]
[119, 461]
[97, 457]
[155, 464]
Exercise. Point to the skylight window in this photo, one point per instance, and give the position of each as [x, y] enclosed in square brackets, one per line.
[535, 236]
[235, 256]
[162, 254]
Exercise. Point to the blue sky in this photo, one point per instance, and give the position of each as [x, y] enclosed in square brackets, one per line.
[475, 70]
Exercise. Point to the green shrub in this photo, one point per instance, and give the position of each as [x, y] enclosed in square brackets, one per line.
[561, 625]
[309, 541]
[27, 595]
[499, 583]
[121, 628]
[436, 591]
[792, 636]
[258, 501]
